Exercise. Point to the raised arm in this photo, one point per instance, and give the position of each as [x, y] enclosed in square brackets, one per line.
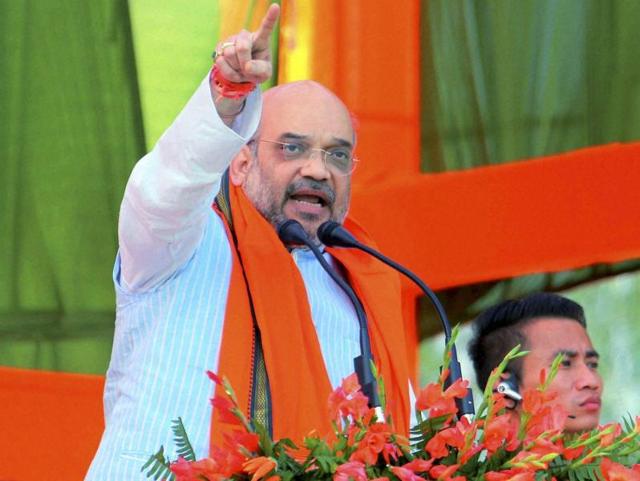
[170, 191]
[244, 57]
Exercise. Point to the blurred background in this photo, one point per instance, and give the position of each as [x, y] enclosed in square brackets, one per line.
[86, 88]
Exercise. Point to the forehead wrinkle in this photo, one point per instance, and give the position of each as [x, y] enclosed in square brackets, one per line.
[292, 135]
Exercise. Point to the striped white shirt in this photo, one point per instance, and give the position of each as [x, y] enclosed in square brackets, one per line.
[172, 279]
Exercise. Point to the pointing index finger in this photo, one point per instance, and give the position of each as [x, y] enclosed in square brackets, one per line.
[261, 36]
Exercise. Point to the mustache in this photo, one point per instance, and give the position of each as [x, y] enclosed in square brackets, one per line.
[304, 184]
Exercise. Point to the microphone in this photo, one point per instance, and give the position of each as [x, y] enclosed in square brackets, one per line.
[291, 232]
[332, 233]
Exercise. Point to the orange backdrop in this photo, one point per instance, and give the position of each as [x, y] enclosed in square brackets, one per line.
[548, 214]
[50, 424]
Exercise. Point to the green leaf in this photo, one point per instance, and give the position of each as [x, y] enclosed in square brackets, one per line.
[157, 467]
[446, 358]
[287, 475]
[421, 433]
[266, 443]
[382, 392]
[181, 439]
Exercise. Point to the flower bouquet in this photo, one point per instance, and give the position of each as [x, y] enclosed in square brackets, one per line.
[495, 445]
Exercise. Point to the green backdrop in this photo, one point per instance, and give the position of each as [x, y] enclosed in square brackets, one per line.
[70, 132]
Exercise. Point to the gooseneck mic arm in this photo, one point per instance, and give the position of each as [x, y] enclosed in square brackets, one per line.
[292, 232]
[333, 234]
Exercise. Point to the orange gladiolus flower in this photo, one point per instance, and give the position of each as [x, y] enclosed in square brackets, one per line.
[229, 461]
[351, 471]
[259, 467]
[510, 475]
[612, 471]
[376, 441]
[458, 389]
[241, 439]
[194, 470]
[437, 445]
[499, 430]
[611, 432]
[347, 400]
[419, 465]
[225, 409]
[405, 474]
[544, 447]
[441, 403]
[442, 472]
[214, 377]
[572, 453]
[299, 453]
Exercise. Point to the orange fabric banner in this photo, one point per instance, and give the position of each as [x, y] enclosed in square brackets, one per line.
[51, 424]
[543, 215]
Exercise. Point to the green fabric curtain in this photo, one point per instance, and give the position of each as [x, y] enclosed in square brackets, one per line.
[508, 80]
[513, 79]
[70, 132]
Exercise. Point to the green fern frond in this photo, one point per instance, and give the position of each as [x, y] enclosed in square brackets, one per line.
[157, 467]
[562, 469]
[185, 450]
[629, 424]
[594, 472]
[421, 433]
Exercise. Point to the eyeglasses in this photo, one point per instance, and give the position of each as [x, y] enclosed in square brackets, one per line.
[339, 160]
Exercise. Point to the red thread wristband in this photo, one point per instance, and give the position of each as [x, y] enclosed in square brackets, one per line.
[228, 89]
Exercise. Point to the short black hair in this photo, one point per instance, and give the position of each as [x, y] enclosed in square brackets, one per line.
[500, 328]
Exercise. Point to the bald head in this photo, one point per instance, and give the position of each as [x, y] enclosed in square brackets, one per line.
[305, 100]
[288, 176]
[300, 91]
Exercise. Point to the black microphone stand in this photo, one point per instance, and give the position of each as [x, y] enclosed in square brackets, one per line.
[292, 232]
[334, 234]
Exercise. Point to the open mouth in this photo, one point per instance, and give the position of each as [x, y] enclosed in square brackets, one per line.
[310, 199]
[314, 197]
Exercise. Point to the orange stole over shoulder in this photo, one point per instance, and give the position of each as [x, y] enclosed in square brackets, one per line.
[298, 379]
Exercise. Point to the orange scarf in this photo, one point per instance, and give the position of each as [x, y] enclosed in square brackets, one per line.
[298, 380]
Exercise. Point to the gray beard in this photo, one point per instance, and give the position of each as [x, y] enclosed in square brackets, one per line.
[273, 211]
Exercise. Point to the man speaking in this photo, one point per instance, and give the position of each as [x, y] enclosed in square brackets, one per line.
[203, 281]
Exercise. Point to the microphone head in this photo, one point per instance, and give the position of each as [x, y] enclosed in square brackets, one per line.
[291, 232]
[331, 233]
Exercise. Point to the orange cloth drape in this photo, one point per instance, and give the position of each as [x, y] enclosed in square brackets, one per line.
[50, 424]
[297, 376]
[544, 215]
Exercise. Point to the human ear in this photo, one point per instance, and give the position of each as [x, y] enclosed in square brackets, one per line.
[240, 166]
